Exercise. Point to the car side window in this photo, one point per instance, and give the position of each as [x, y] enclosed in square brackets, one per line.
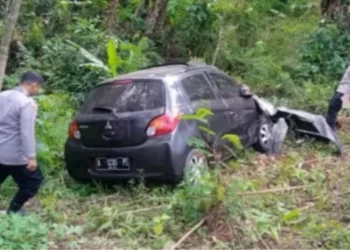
[197, 88]
[227, 87]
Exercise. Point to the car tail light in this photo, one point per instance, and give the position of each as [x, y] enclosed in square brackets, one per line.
[162, 125]
[73, 131]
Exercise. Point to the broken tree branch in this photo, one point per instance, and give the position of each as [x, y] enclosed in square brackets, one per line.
[320, 197]
[260, 237]
[277, 190]
[269, 191]
[307, 207]
[193, 229]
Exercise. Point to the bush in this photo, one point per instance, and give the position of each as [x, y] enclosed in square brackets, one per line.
[322, 233]
[61, 65]
[191, 29]
[19, 232]
[261, 41]
[86, 33]
[325, 53]
[55, 113]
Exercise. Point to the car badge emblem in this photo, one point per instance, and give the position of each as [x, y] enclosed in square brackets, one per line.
[108, 126]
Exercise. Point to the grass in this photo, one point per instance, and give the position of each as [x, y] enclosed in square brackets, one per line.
[296, 200]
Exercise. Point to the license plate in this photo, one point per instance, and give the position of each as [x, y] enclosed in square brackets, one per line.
[110, 164]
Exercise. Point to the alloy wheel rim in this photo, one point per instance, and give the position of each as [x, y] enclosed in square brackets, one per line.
[197, 164]
[265, 134]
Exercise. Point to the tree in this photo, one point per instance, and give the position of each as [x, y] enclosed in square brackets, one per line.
[111, 14]
[10, 23]
[336, 11]
[156, 15]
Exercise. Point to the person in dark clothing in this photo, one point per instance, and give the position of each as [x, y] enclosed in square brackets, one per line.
[18, 113]
[336, 103]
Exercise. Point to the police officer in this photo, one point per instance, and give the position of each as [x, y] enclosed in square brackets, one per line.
[18, 113]
[336, 103]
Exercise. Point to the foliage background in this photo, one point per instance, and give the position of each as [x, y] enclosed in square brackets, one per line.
[284, 49]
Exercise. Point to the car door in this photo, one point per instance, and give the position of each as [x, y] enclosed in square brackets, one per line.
[241, 111]
[200, 93]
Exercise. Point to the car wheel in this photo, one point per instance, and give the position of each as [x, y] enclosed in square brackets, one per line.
[196, 165]
[264, 141]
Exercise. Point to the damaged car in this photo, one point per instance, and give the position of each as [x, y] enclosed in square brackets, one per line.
[130, 127]
[300, 122]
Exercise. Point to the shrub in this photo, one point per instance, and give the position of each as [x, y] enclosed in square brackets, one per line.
[19, 232]
[325, 53]
[55, 112]
[61, 65]
[191, 29]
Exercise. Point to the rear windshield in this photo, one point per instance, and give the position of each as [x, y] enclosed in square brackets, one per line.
[130, 96]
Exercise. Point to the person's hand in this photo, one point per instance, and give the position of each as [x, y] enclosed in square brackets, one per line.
[32, 165]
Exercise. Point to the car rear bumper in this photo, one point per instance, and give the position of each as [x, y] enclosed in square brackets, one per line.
[155, 159]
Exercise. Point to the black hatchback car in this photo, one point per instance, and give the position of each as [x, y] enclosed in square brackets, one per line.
[130, 127]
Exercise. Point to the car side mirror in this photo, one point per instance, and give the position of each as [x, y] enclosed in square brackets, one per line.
[245, 91]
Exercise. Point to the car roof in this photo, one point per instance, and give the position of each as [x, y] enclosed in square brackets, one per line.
[161, 71]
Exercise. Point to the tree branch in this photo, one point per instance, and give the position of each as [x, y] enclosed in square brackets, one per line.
[193, 229]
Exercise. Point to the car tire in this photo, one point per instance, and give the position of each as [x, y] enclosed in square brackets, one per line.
[196, 164]
[264, 141]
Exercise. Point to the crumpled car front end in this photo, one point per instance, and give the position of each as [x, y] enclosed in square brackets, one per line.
[301, 122]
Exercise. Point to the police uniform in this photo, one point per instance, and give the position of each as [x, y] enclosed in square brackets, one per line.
[18, 113]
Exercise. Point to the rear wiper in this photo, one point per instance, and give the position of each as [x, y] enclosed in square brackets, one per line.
[104, 108]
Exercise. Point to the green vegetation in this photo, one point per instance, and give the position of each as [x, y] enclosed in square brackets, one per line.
[281, 48]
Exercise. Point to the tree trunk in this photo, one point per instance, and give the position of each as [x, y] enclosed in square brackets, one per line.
[218, 45]
[111, 15]
[325, 5]
[10, 24]
[156, 16]
[336, 11]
